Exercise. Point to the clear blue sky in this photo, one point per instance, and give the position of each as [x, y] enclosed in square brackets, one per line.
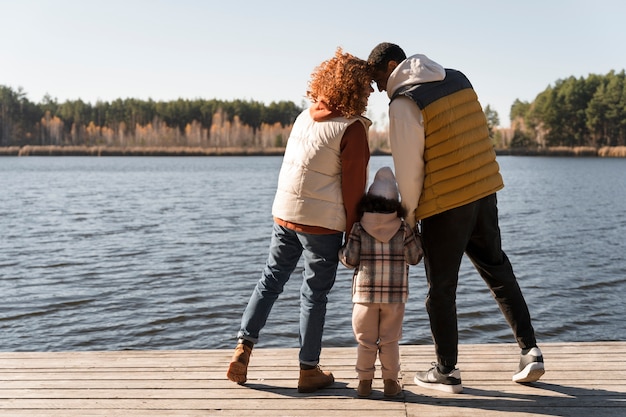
[266, 50]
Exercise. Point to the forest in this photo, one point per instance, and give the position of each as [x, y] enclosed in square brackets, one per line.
[132, 122]
[574, 112]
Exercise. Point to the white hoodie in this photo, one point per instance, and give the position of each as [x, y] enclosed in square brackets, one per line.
[406, 129]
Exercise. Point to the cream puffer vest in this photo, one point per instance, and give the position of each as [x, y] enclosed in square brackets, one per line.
[309, 183]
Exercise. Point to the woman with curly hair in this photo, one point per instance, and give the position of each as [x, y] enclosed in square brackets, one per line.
[322, 178]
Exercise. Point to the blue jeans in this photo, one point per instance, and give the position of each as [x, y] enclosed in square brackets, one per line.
[320, 269]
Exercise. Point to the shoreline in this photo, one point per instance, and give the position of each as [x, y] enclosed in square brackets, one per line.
[51, 150]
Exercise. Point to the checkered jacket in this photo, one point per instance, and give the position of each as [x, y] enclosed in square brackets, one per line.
[381, 268]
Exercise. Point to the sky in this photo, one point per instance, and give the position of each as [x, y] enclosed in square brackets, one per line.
[266, 50]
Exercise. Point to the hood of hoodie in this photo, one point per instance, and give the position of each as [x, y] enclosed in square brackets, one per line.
[382, 226]
[416, 69]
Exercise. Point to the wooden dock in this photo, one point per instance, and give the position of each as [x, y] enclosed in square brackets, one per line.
[582, 379]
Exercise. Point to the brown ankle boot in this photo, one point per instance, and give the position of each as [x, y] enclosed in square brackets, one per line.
[238, 369]
[392, 388]
[313, 379]
[365, 388]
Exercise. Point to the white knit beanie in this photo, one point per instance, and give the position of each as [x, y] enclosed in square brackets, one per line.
[384, 185]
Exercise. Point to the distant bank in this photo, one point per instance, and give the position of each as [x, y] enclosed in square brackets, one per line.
[607, 151]
[29, 150]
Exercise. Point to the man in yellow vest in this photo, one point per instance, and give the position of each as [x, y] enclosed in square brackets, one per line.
[448, 176]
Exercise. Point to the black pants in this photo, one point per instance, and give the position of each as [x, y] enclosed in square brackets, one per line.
[471, 229]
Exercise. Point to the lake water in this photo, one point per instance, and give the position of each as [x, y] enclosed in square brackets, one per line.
[121, 253]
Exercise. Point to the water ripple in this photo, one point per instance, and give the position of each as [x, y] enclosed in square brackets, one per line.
[163, 253]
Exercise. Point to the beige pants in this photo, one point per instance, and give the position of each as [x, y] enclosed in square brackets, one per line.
[378, 330]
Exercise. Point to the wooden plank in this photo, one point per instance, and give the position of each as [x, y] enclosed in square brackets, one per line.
[581, 378]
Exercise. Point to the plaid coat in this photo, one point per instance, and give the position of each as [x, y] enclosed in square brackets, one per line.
[381, 268]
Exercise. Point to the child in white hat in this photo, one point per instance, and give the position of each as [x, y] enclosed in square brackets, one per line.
[380, 247]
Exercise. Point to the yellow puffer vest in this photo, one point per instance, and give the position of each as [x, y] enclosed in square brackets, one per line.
[460, 162]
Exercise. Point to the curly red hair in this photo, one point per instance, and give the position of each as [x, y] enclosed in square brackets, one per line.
[343, 83]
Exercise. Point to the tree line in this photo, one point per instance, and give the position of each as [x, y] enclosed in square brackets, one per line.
[133, 122]
[575, 112]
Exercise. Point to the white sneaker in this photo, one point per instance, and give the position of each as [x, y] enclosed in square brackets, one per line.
[433, 379]
[530, 367]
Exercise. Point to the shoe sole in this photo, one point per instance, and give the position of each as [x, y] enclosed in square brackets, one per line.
[364, 394]
[237, 372]
[531, 373]
[313, 388]
[306, 390]
[452, 389]
[392, 395]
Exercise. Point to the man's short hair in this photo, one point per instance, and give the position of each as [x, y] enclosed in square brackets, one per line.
[383, 53]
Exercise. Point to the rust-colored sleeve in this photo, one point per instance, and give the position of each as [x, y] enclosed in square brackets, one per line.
[355, 156]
